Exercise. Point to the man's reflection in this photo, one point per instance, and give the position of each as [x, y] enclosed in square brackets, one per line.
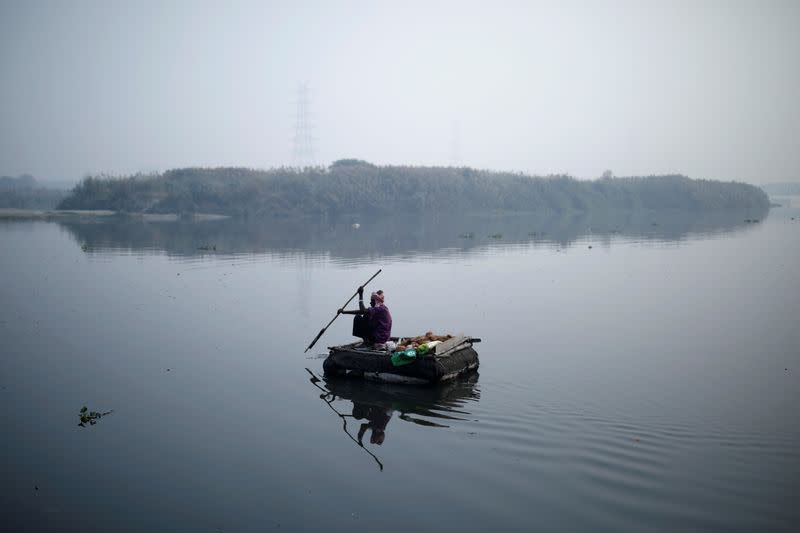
[377, 418]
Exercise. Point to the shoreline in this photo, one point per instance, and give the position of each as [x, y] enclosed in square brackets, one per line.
[11, 213]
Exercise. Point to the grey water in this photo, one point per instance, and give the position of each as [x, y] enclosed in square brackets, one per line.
[639, 372]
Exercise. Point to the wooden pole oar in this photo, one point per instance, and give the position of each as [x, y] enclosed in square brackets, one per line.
[337, 312]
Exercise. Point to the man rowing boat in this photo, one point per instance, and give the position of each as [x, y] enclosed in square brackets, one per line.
[378, 319]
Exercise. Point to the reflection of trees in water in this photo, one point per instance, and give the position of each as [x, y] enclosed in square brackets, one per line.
[372, 405]
[399, 234]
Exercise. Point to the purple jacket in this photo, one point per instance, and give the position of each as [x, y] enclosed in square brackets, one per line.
[380, 322]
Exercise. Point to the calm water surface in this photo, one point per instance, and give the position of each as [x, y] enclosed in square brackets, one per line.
[637, 373]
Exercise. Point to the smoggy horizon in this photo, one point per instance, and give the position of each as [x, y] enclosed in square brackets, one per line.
[703, 89]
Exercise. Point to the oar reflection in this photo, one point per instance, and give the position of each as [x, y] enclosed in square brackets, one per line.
[326, 394]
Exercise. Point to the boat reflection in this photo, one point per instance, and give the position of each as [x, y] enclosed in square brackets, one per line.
[373, 405]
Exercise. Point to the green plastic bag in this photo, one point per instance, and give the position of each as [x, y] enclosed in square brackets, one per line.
[404, 358]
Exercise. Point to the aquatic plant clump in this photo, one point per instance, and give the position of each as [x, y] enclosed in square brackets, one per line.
[90, 417]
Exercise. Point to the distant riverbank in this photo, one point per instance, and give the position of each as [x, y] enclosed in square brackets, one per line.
[25, 192]
[28, 214]
[45, 214]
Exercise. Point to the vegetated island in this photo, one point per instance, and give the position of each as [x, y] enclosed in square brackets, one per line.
[355, 186]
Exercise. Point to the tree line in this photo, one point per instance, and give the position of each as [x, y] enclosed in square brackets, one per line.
[354, 186]
[24, 192]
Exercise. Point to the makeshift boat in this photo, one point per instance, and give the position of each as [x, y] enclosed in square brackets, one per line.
[445, 361]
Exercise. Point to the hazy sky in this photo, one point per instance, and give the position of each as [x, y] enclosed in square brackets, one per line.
[708, 89]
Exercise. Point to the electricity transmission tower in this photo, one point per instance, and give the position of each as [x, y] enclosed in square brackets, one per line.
[303, 140]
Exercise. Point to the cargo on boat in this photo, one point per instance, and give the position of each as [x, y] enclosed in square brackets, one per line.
[443, 361]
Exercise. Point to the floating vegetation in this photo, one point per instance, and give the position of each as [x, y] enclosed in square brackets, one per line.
[85, 247]
[469, 235]
[91, 417]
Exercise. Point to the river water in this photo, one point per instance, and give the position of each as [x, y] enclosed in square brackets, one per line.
[638, 373]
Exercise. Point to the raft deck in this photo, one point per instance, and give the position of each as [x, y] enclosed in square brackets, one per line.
[446, 361]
